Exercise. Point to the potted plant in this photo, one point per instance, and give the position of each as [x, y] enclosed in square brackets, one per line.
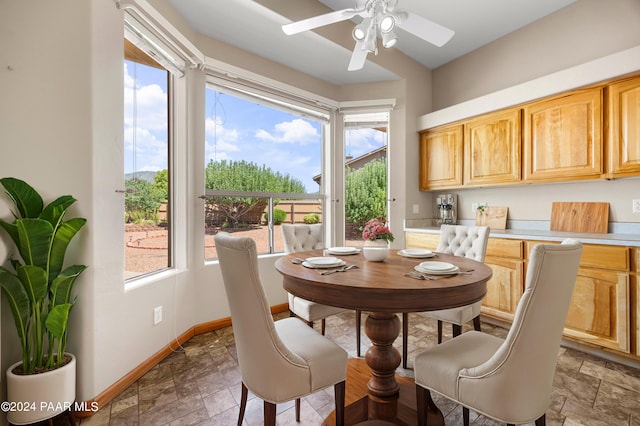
[377, 236]
[39, 293]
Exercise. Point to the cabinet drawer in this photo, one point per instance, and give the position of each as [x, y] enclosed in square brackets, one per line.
[597, 256]
[501, 247]
[422, 240]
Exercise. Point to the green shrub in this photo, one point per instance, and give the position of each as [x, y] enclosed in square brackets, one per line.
[311, 218]
[279, 216]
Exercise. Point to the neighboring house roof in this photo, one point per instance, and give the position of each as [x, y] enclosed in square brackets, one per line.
[358, 162]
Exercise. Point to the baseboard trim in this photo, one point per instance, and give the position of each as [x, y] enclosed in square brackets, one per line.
[118, 387]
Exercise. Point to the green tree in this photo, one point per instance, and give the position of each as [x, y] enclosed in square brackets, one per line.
[142, 200]
[245, 176]
[366, 192]
[161, 183]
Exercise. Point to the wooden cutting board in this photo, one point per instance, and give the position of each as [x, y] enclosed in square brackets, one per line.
[494, 216]
[579, 217]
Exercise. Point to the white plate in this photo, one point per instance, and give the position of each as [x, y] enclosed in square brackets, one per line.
[343, 250]
[323, 260]
[326, 265]
[455, 270]
[417, 253]
[438, 266]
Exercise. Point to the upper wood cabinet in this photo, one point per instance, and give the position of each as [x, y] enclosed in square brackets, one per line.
[441, 158]
[492, 147]
[624, 128]
[563, 137]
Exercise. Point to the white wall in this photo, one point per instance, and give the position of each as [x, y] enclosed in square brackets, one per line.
[581, 32]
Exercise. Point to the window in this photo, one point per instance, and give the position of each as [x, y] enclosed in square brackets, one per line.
[147, 165]
[263, 164]
[365, 182]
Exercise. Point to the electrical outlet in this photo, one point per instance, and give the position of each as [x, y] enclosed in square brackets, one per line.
[416, 208]
[636, 206]
[474, 207]
[157, 315]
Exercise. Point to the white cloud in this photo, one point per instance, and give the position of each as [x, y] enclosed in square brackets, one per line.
[295, 131]
[220, 141]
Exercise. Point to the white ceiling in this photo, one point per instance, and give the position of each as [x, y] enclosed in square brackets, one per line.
[254, 27]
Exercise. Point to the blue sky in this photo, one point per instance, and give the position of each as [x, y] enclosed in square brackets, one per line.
[236, 129]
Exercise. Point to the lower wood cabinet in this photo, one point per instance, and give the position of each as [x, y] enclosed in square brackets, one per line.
[505, 287]
[599, 310]
[635, 300]
[605, 305]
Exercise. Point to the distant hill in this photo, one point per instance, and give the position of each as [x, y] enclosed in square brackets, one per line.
[148, 176]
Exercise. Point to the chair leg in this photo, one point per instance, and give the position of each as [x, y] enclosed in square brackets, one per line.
[405, 338]
[358, 325]
[424, 405]
[322, 326]
[243, 403]
[456, 329]
[542, 420]
[339, 391]
[476, 323]
[269, 414]
[298, 410]
[421, 405]
[465, 416]
[439, 331]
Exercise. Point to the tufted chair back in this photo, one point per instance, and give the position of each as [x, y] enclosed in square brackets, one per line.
[465, 241]
[302, 237]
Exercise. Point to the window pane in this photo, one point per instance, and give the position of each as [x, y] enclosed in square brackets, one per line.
[252, 147]
[146, 160]
[365, 174]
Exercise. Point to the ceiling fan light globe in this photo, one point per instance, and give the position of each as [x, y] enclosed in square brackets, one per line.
[360, 31]
[387, 24]
[389, 39]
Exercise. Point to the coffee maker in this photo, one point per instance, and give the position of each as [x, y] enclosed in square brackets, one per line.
[446, 209]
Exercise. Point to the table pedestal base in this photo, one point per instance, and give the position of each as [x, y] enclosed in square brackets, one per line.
[364, 409]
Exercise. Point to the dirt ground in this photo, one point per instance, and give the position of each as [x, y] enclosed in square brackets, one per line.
[146, 246]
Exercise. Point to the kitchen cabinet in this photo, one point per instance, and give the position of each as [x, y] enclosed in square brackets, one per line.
[563, 137]
[504, 289]
[623, 139]
[599, 309]
[492, 148]
[441, 157]
[635, 297]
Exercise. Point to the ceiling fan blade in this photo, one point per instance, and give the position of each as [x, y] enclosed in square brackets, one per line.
[427, 30]
[358, 57]
[319, 21]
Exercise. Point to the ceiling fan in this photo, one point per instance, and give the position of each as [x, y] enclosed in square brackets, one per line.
[380, 18]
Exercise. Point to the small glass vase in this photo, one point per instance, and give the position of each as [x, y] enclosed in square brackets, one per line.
[375, 250]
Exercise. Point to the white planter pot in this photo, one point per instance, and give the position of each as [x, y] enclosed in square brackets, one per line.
[36, 397]
[376, 250]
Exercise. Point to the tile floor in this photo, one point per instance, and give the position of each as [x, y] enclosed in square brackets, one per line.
[200, 385]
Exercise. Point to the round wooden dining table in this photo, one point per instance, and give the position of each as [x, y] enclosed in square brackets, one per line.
[383, 289]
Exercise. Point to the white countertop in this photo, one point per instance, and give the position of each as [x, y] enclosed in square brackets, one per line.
[618, 239]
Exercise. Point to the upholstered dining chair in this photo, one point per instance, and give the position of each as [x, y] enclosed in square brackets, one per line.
[459, 240]
[507, 380]
[279, 361]
[301, 237]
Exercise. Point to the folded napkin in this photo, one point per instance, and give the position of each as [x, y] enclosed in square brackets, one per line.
[425, 276]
